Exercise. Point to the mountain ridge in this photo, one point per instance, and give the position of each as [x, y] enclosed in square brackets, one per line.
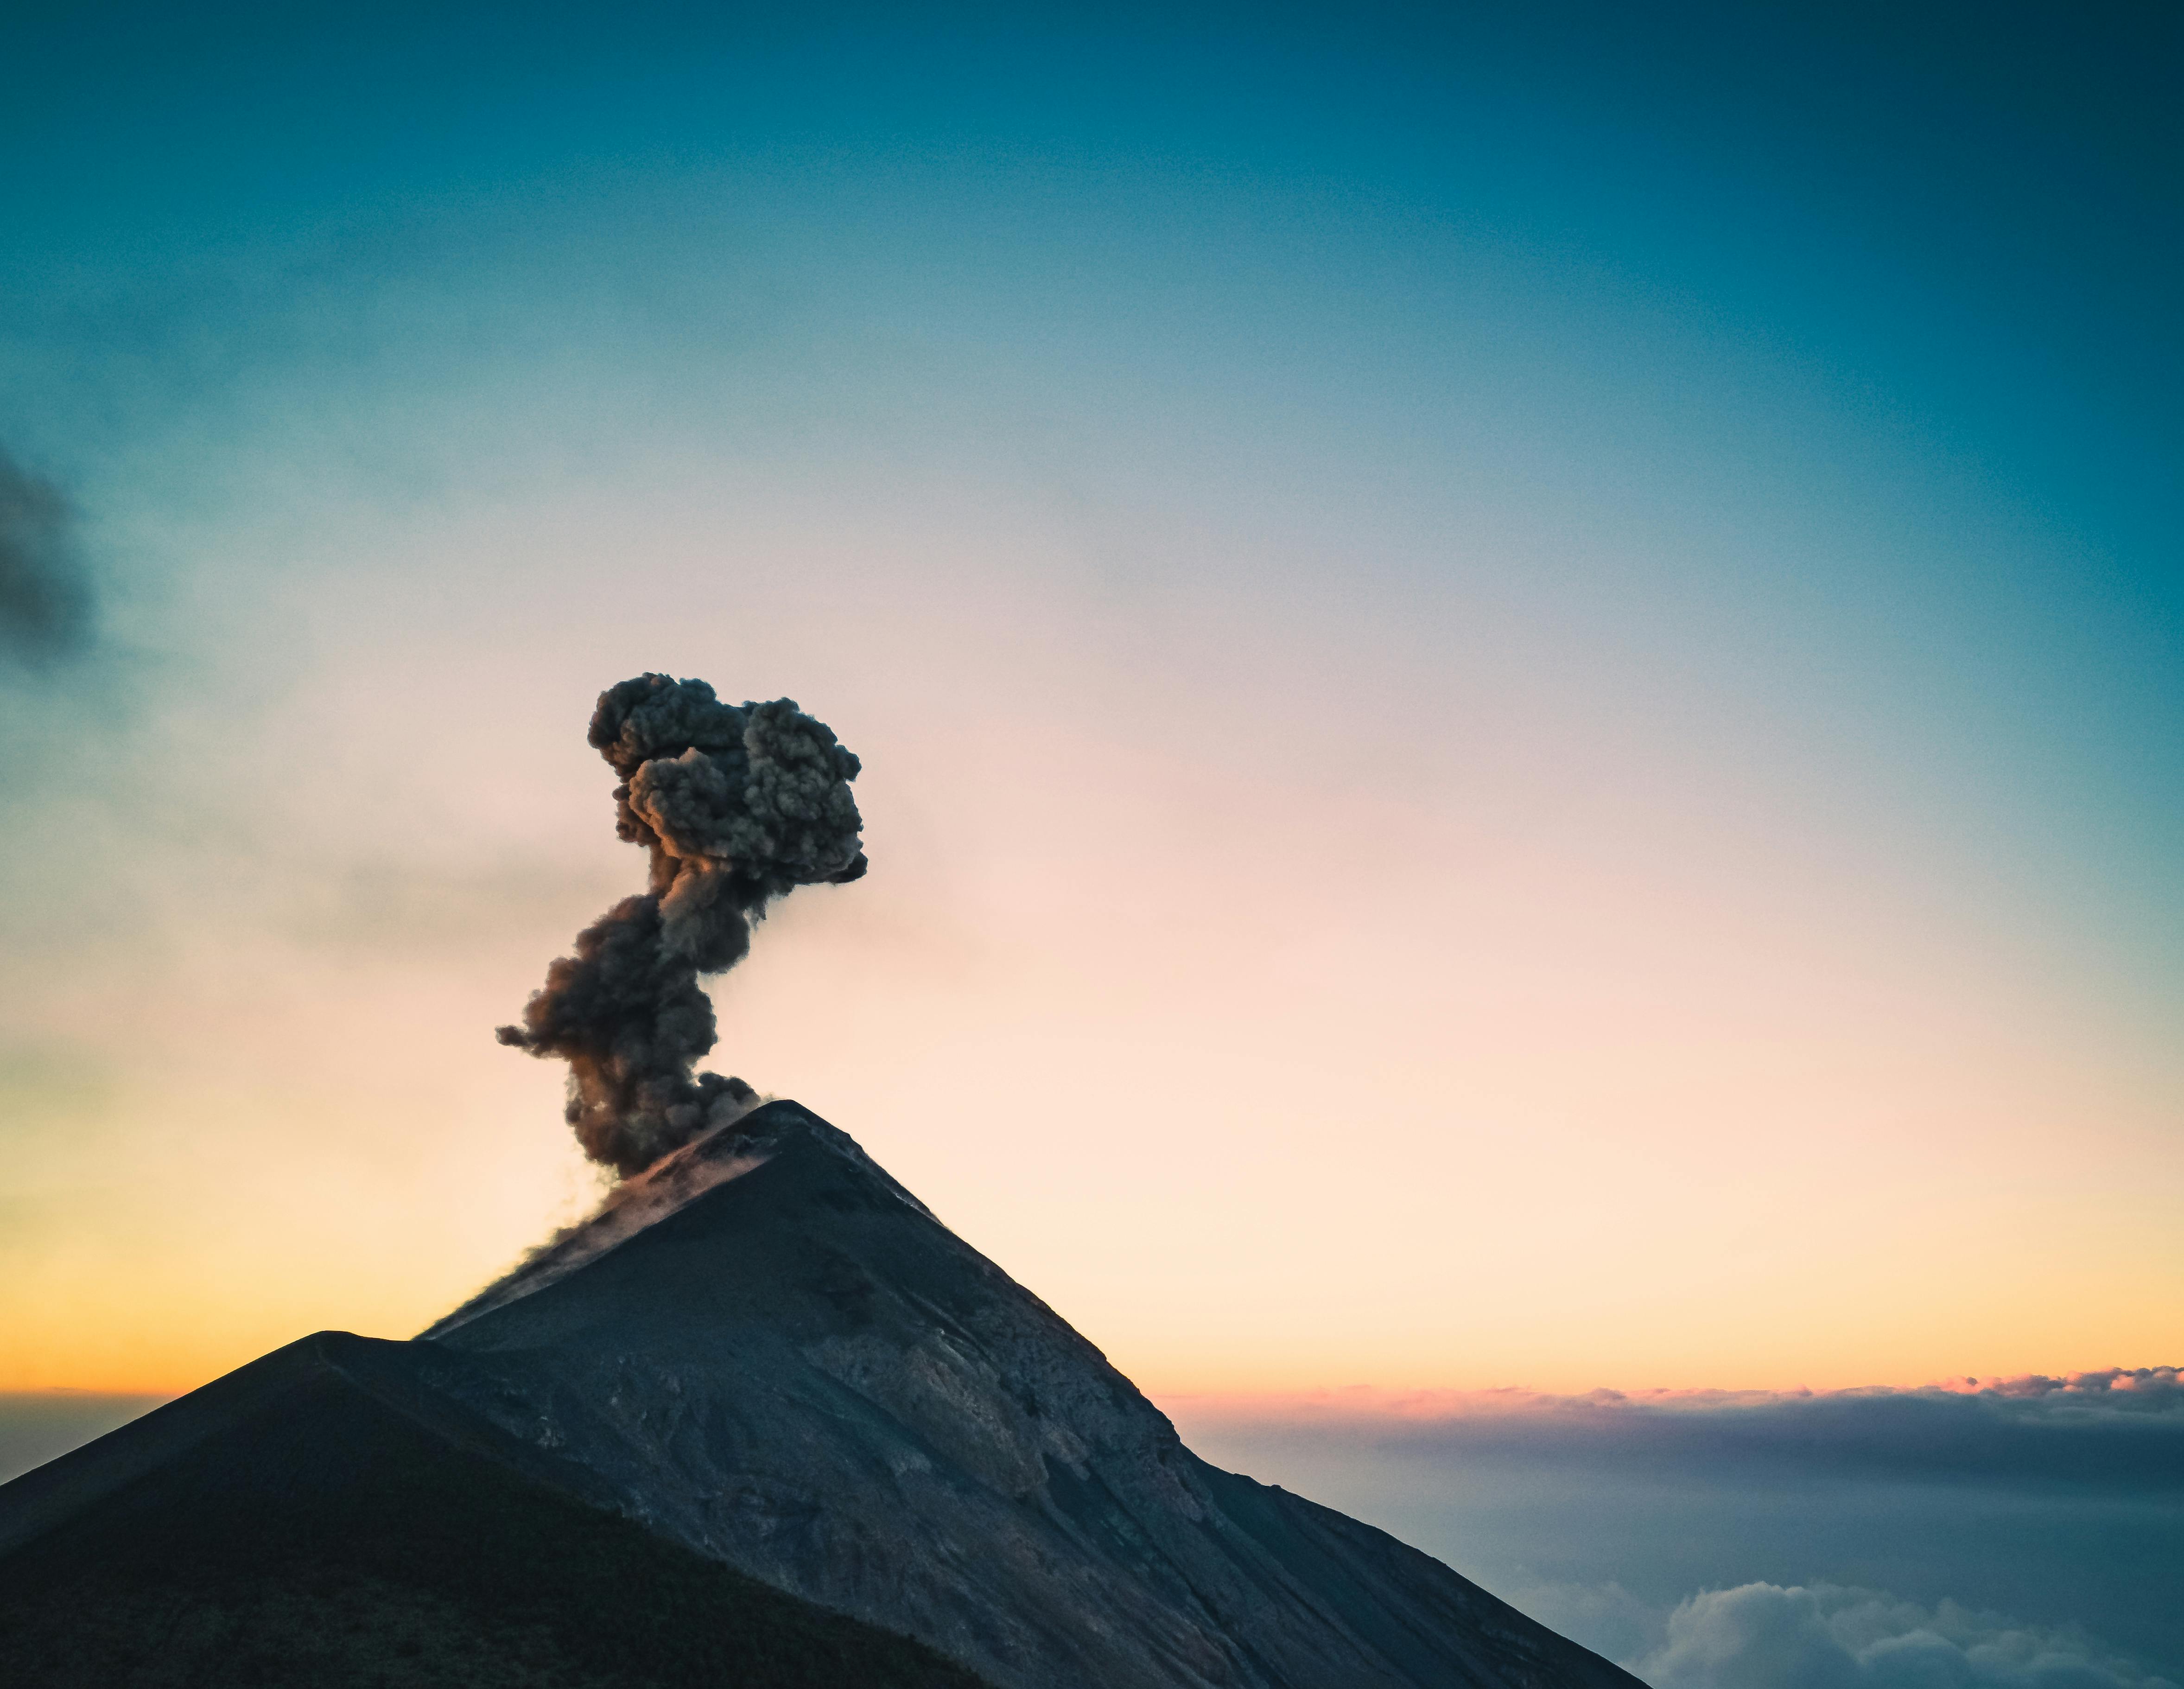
[327, 1515]
[802, 1371]
[790, 1367]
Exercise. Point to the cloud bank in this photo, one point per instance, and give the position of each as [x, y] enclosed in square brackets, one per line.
[2059, 1499]
[1767, 1635]
[2118, 1428]
[1762, 1635]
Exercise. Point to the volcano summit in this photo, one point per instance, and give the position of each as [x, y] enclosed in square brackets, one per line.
[790, 1419]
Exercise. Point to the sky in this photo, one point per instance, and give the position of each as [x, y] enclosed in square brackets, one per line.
[1518, 672]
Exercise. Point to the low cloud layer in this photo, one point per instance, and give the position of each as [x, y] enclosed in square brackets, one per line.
[2057, 1499]
[1767, 1635]
[2121, 1427]
[1762, 1635]
[44, 593]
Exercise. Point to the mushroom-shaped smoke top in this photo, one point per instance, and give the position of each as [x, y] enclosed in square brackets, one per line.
[738, 804]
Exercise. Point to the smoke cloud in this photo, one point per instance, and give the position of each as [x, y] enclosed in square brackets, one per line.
[45, 600]
[736, 804]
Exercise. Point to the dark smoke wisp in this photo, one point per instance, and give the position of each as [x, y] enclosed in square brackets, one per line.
[736, 805]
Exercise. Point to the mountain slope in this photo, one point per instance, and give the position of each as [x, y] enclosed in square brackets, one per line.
[326, 1516]
[801, 1373]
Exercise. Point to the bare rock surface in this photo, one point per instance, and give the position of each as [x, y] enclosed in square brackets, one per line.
[800, 1372]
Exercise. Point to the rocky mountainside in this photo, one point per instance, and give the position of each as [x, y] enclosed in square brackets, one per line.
[774, 1359]
[325, 1516]
[804, 1373]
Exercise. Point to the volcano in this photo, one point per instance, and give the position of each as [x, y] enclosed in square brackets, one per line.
[765, 1414]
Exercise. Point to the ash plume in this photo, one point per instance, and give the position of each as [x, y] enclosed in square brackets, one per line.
[736, 805]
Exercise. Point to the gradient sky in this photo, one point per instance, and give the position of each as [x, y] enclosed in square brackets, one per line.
[1520, 669]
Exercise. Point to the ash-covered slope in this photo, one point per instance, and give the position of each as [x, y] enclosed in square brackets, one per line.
[329, 1515]
[801, 1373]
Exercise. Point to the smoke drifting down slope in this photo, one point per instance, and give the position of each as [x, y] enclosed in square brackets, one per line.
[736, 804]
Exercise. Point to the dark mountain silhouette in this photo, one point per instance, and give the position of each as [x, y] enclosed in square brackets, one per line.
[321, 1516]
[791, 1378]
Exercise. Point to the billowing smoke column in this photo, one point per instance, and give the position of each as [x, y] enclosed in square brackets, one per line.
[737, 805]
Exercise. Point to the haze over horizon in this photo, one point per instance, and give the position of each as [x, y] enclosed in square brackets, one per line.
[1518, 675]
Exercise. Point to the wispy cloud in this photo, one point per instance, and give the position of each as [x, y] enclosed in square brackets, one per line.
[46, 601]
